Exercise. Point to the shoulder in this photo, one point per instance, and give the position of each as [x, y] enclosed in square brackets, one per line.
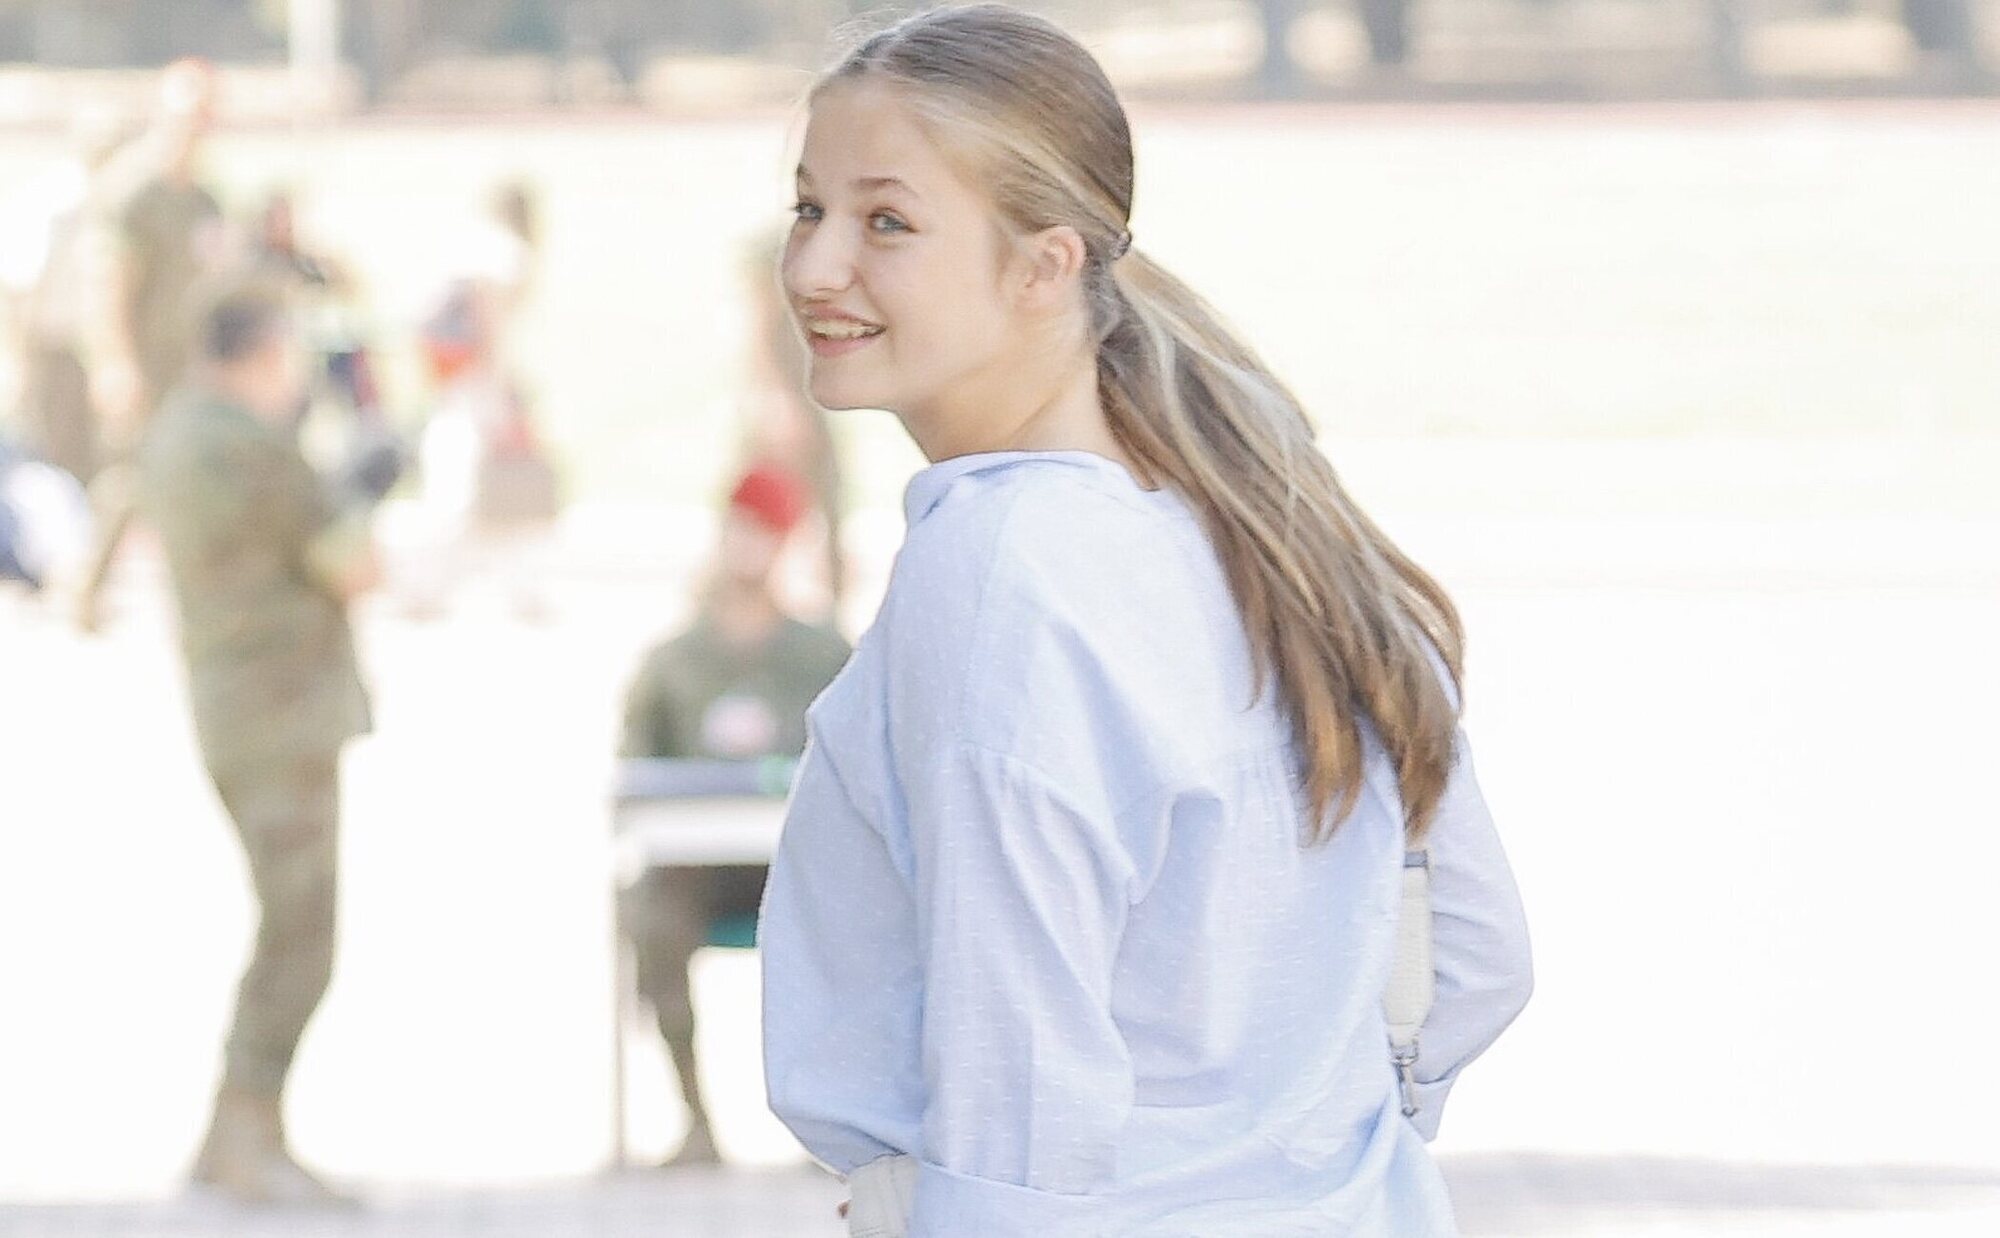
[1027, 527]
[656, 678]
[672, 655]
[1029, 591]
[191, 427]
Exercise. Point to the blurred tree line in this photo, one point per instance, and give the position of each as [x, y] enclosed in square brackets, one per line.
[383, 39]
[1943, 29]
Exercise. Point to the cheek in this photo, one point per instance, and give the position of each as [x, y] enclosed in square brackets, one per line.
[969, 327]
[942, 312]
[945, 321]
[747, 547]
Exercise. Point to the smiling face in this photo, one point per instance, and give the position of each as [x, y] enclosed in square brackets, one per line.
[896, 268]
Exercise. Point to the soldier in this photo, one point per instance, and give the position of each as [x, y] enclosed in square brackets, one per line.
[343, 402]
[162, 235]
[264, 561]
[734, 685]
[46, 273]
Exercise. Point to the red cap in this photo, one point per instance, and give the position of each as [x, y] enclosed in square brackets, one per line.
[772, 496]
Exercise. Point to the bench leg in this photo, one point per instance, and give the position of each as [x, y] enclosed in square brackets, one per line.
[621, 1017]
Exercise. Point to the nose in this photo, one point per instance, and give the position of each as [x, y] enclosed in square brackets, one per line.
[818, 262]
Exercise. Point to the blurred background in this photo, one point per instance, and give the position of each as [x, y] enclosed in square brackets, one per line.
[1665, 332]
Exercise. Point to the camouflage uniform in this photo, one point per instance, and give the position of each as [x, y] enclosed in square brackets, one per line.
[250, 536]
[697, 696]
[168, 235]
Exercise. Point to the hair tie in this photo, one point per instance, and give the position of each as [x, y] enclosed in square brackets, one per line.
[1121, 246]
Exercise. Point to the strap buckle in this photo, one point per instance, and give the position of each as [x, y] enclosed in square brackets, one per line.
[1405, 1058]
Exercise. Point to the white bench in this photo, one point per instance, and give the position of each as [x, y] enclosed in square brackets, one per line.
[681, 814]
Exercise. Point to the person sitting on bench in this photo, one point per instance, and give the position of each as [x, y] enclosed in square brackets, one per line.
[735, 685]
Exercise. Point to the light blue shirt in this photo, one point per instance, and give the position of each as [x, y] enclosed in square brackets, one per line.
[1041, 916]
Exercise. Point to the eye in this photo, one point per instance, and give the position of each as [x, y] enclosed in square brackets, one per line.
[810, 212]
[887, 222]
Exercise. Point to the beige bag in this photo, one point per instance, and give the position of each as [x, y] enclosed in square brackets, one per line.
[516, 483]
[880, 1193]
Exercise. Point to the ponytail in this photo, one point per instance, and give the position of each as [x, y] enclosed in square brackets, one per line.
[1347, 623]
[1352, 629]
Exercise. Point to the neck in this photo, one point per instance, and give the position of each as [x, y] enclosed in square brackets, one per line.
[1024, 405]
[743, 614]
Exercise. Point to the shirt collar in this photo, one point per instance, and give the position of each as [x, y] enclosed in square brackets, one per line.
[928, 487]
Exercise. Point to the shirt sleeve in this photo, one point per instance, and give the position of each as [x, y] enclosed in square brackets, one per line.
[338, 545]
[296, 510]
[649, 730]
[1479, 941]
[1022, 900]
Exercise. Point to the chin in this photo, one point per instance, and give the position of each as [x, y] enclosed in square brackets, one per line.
[836, 396]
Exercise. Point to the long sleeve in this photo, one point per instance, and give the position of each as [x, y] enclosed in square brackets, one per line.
[1021, 904]
[1479, 941]
[1041, 920]
[650, 727]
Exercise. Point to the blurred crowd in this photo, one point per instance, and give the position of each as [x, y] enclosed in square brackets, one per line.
[210, 377]
[105, 286]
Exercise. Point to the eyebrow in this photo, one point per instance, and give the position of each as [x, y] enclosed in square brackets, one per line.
[870, 182]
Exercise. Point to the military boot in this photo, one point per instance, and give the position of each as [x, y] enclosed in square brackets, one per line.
[697, 1149]
[245, 1157]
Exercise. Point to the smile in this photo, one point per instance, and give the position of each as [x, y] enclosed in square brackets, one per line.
[841, 329]
[836, 337]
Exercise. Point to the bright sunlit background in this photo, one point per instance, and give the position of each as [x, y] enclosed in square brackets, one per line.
[1667, 335]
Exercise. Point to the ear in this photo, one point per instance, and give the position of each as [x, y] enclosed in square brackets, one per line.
[1052, 263]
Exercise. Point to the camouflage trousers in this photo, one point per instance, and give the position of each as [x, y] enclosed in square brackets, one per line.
[286, 813]
[666, 914]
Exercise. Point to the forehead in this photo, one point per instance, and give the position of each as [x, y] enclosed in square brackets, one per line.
[861, 130]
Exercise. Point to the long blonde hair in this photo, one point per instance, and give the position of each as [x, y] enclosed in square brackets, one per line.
[1343, 618]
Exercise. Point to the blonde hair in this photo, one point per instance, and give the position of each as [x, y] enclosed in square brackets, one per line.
[1348, 624]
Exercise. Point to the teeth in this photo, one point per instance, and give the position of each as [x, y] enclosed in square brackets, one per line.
[831, 330]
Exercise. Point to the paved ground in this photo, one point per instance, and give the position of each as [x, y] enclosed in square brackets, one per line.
[1510, 1196]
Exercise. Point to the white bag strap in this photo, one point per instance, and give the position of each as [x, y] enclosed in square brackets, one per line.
[1406, 1002]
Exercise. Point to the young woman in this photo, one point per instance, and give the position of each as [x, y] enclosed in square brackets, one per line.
[1085, 902]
